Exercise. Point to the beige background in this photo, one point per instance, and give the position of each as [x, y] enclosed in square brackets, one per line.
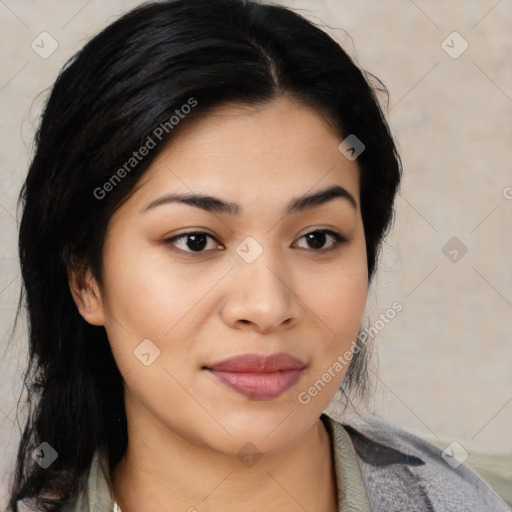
[445, 359]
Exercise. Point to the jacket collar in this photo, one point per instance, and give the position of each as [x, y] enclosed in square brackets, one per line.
[373, 429]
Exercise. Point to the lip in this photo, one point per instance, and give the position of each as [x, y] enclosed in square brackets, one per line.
[248, 363]
[259, 377]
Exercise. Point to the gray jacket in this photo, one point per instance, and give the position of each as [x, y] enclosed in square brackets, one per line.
[405, 473]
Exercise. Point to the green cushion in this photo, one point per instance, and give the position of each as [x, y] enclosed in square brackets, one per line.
[494, 468]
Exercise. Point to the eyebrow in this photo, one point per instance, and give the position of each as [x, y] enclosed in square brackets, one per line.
[216, 205]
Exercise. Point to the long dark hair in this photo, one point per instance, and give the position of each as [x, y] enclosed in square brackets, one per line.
[108, 99]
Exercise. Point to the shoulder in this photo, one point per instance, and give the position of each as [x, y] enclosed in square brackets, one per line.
[404, 472]
[94, 490]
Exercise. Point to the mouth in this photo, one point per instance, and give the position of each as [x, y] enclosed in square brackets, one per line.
[259, 377]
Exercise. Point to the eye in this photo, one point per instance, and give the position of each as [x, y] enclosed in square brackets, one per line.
[318, 238]
[197, 241]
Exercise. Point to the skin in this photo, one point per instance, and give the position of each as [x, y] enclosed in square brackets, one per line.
[185, 426]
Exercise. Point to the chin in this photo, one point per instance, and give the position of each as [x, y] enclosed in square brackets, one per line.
[270, 430]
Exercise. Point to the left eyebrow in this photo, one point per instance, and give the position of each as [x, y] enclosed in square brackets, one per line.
[216, 205]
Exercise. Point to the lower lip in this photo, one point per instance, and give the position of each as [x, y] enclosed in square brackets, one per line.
[259, 386]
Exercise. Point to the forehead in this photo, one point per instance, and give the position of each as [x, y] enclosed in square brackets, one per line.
[244, 152]
[254, 128]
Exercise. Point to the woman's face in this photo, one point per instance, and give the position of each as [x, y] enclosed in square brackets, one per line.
[264, 275]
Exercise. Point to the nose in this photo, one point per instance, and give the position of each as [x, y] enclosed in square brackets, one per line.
[261, 295]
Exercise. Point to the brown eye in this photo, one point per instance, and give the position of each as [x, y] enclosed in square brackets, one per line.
[192, 242]
[317, 239]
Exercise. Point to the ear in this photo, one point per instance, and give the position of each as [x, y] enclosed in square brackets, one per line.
[87, 296]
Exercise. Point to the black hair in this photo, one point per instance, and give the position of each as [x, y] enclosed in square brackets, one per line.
[108, 99]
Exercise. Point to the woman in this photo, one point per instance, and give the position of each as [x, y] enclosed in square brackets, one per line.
[202, 221]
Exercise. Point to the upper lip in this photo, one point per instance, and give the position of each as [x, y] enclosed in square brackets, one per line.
[279, 361]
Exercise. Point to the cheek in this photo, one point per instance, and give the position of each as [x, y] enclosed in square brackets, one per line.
[337, 316]
[338, 311]
[338, 296]
[147, 293]
[149, 298]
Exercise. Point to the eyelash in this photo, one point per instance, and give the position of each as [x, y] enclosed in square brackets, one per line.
[338, 240]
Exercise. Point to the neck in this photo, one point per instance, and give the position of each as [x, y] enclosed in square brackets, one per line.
[168, 473]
